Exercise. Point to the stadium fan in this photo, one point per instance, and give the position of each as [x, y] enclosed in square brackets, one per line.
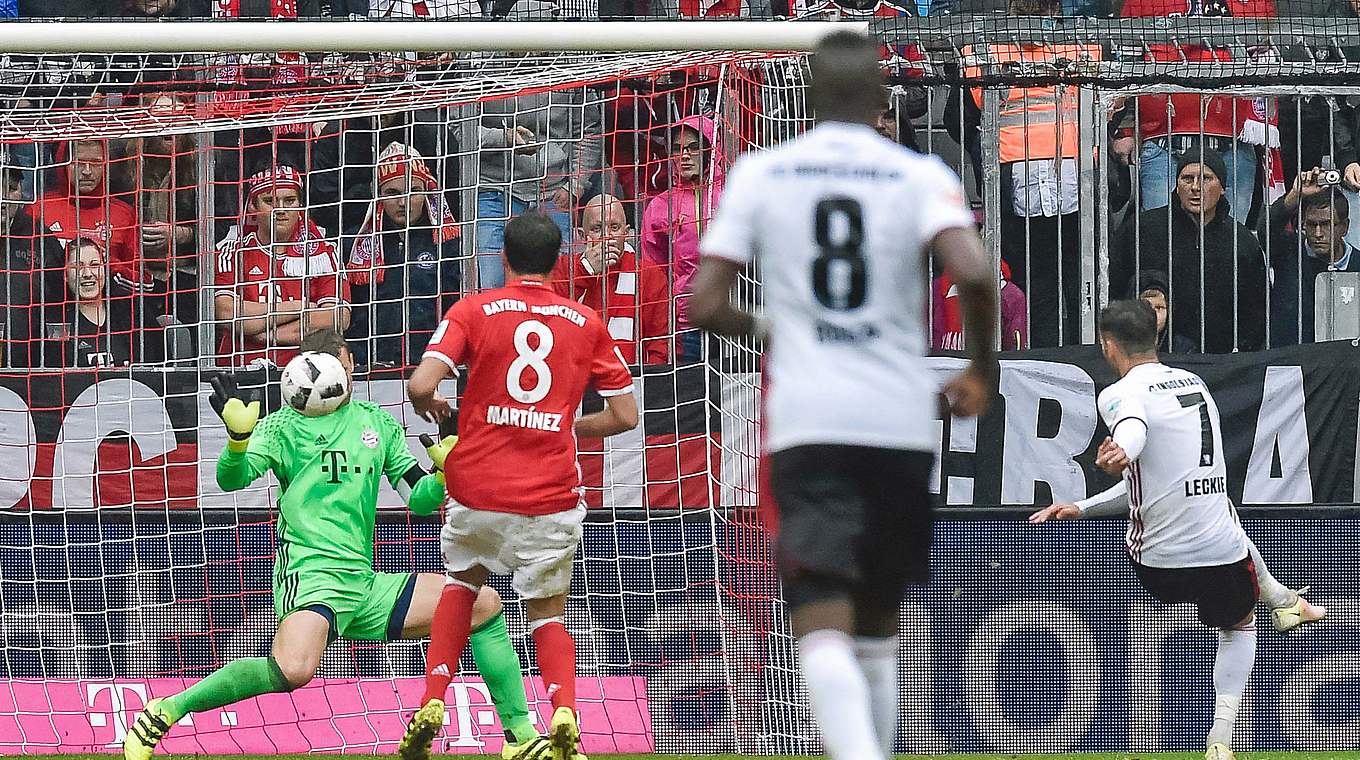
[403, 264]
[81, 205]
[33, 264]
[1037, 134]
[328, 467]
[514, 485]
[1153, 286]
[1184, 538]
[1201, 244]
[164, 181]
[540, 150]
[1169, 125]
[98, 322]
[946, 323]
[674, 221]
[842, 221]
[628, 292]
[1306, 231]
[277, 277]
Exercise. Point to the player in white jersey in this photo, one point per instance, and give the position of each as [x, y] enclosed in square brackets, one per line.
[843, 222]
[1184, 538]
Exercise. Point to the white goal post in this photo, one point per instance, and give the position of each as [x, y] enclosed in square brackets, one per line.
[424, 36]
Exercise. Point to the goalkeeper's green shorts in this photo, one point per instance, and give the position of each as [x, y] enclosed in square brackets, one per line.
[365, 606]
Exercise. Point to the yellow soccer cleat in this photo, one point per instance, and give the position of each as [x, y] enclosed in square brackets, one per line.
[1218, 752]
[1301, 612]
[537, 748]
[564, 735]
[427, 721]
[146, 732]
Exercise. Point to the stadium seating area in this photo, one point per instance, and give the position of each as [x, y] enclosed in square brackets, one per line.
[108, 242]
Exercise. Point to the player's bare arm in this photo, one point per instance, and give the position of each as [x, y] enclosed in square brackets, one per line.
[250, 318]
[326, 315]
[710, 304]
[960, 252]
[423, 390]
[620, 414]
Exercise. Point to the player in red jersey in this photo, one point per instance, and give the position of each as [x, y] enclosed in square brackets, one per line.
[514, 487]
[279, 279]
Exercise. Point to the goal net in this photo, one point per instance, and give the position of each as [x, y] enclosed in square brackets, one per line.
[148, 197]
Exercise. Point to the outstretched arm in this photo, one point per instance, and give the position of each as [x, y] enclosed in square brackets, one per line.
[238, 469]
[1111, 501]
[246, 456]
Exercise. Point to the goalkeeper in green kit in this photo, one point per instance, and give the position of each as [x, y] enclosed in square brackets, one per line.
[324, 583]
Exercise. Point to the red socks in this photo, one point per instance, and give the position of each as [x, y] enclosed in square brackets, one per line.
[557, 662]
[448, 636]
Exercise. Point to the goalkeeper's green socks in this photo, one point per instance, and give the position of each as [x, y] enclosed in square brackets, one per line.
[235, 681]
[499, 667]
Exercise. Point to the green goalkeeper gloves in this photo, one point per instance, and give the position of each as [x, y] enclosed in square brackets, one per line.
[438, 451]
[239, 411]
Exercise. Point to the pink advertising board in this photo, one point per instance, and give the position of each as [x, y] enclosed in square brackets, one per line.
[332, 715]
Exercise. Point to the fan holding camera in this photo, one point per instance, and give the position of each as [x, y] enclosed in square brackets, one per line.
[1306, 233]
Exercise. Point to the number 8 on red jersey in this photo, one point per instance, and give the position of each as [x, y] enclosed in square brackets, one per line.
[530, 355]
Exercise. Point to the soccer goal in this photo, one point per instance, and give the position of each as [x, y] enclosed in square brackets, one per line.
[127, 573]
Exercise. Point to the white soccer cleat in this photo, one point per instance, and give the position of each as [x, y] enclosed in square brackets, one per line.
[1301, 612]
[1218, 752]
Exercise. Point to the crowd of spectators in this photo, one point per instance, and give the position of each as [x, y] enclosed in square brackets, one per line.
[1200, 204]
[1224, 208]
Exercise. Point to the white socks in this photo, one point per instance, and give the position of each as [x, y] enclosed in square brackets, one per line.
[1232, 667]
[878, 659]
[1273, 593]
[839, 694]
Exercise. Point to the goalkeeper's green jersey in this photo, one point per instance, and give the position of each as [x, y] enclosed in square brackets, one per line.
[328, 469]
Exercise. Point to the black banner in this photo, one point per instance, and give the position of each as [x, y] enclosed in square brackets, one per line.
[1289, 419]
[86, 439]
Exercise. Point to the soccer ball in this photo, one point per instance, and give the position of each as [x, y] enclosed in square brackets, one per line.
[314, 383]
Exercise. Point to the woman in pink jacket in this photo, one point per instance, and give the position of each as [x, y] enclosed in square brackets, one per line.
[675, 220]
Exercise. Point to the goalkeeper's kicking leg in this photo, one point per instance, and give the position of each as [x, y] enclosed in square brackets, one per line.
[301, 640]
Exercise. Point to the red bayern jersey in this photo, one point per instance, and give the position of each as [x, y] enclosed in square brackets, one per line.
[248, 271]
[530, 355]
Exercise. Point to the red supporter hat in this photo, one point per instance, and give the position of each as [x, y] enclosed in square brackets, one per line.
[397, 159]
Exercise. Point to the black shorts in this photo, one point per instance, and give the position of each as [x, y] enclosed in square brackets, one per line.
[857, 515]
[1223, 594]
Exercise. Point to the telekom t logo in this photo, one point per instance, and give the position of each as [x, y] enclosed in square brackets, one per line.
[123, 698]
[464, 718]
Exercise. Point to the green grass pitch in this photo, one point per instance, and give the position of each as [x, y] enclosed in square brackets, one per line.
[1073, 756]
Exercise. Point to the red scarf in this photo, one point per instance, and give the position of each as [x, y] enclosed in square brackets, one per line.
[366, 255]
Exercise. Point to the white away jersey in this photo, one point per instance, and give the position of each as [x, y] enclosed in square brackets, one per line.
[1179, 511]
[840, 219]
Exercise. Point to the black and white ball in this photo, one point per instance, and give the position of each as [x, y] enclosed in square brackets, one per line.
[314, 383]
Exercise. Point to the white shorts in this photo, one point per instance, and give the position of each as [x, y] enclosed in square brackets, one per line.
[537, 550]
